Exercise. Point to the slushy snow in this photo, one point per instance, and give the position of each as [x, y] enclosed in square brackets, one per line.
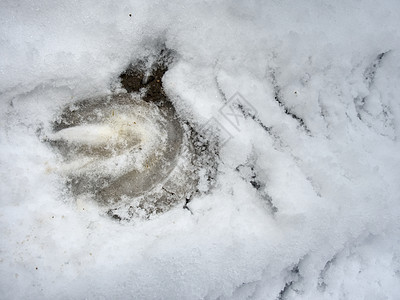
[306, 203]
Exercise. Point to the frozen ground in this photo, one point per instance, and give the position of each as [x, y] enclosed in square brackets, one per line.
[306, 203]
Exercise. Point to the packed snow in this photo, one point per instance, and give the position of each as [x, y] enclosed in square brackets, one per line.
[304, 97]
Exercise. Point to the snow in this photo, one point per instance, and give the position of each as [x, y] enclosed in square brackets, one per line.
[324, 221]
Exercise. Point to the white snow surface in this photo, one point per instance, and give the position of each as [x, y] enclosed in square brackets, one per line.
[335, 180]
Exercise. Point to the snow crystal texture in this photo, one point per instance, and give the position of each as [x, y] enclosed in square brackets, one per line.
[305, 97]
